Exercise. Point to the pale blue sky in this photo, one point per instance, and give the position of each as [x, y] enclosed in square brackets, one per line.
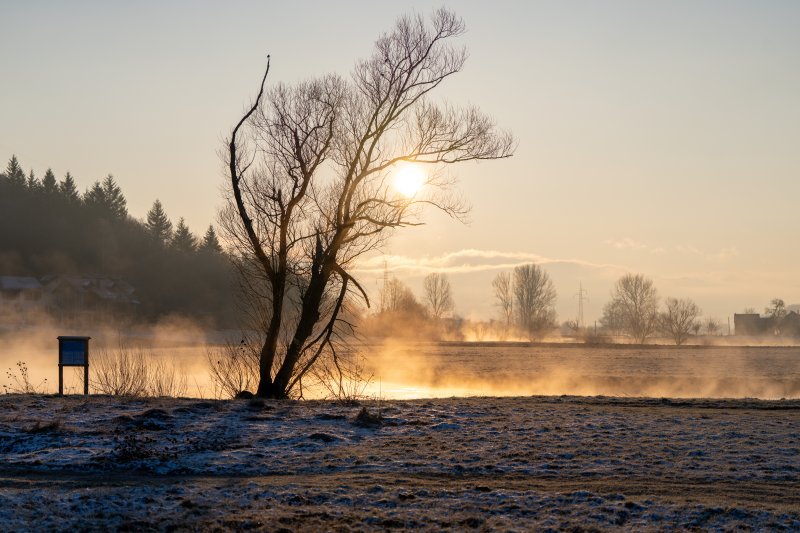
[654, 137]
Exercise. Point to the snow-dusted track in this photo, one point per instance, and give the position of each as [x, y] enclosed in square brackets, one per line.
[498, 463]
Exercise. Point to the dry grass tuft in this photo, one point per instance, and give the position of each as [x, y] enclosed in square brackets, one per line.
[44, 427]
[365, 419]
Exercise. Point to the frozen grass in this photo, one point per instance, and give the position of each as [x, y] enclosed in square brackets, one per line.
[493, 463]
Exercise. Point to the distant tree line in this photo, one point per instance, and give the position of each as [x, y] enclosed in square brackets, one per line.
[401, 314]
[47, 226]
[525, 300]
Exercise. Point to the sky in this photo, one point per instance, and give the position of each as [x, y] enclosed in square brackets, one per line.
[654, 137]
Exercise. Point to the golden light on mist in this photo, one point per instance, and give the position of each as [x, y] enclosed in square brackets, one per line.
[409, 179]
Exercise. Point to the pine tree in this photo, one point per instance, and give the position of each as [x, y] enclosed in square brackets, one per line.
[33, 183]
[210, 241]
[117, 203]
[14, 173]
[158, 224]
[94, 196]
[68, 189]
[182, 240]
[49, 184]
[107, 197]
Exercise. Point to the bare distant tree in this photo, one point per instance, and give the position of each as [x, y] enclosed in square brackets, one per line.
[696, 327]
[613, 319]
[712, 326]
[438, 295]
[777, 312]
[310, 169]
[679, 317]
[634, 304]
[776, 309]
[749, 311]
[399, 298]
[534, 299]
[504, 293]
[572, 326]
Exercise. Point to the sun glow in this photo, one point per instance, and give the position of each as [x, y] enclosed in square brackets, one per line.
[409, 179]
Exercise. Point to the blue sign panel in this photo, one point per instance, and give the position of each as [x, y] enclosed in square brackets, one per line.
[73, 352]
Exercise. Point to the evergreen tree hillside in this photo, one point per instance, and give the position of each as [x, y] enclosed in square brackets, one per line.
[48, 228]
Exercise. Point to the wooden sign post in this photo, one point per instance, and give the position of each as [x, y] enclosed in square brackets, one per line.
[73, 351]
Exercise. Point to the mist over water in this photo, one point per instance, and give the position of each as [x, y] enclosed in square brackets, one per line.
[178, 340]
[406, 369]
[503, 369]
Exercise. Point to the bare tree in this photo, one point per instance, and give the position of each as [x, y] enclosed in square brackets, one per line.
[438, 295]
[136, 371]
[571, 326]
[776, 312]
[613, 319]
[233, 367]
[634, 304]
[712, 326]
[776, 309]
[310, 168]
[504, 293]
[534, 299]
[398, 298]
[679, 318]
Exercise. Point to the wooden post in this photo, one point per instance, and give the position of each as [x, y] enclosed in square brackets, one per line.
[60, 379]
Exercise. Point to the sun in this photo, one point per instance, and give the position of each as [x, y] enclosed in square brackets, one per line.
[409, 179]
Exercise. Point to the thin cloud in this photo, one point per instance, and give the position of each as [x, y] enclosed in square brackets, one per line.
[468, 261]
[724, 254]
[626, 242]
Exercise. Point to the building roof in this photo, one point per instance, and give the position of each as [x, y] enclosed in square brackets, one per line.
[18, 283]
[112, 290]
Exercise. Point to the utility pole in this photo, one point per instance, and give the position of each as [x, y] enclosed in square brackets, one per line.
[581, 295]
[385, 285]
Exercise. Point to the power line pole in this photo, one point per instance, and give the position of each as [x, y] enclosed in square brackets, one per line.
[385, 285]
[581, 295]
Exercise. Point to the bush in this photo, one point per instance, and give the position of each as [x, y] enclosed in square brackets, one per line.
[233, 367]
[21, 383]
[135, 372]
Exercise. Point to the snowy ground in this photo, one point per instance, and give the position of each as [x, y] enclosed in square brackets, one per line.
[486, 463]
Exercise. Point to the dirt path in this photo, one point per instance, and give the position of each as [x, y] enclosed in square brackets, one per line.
[778, 496]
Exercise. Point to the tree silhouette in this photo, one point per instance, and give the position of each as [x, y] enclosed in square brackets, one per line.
[633, 307]
[14, 173]
[776, 309]
[158, 224]
[210, 242]
[107, 197]
[504, 294]
[680, 318]
[777, 312]
[33, 183]
[320, 193]
[68, 189]
[182, 240]
[534, 299]
[438, 295]
[49, 184]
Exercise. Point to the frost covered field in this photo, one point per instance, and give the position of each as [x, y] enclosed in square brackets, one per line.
[486, 463]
